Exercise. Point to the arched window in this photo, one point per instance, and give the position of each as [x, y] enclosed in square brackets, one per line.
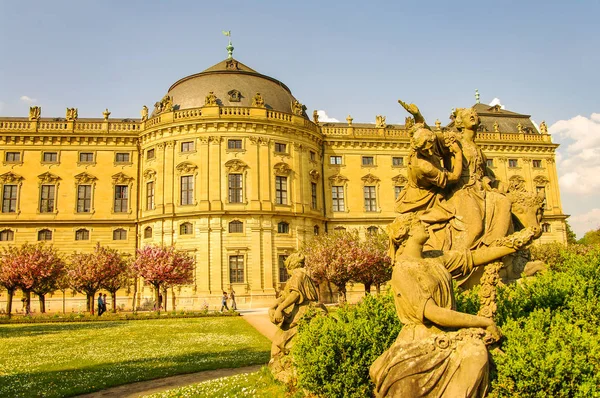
[546, 227]
[373, 229]
[119, 234]
[7, 235]
[316, 230]
[283, 228]
[82, 234]
[147, 232]
[186, 228]
[44, 234]
[236, 226]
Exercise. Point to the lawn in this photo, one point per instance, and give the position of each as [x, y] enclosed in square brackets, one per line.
[254, 385]
[55, 360]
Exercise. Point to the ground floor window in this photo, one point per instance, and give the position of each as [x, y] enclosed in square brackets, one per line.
[236, 269]
[283, 273]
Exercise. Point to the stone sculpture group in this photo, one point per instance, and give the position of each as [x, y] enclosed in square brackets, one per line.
[455, 222]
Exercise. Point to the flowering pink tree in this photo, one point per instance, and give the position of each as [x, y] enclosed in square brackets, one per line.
[372, 266]
[331, 257]
[87, 271]
[9, 277]
[119, 276]
[162, 267]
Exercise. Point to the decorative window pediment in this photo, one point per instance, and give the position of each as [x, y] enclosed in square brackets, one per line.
[370, 179]
[48, 178]
[541, 180]
[85, 178]
[10, 177]
[516, 183]
[400, 179]
[121, 178]
[235, 166]
[338, 179]
[282, 168]
[186, 167]
[314, 175]
[149, 174]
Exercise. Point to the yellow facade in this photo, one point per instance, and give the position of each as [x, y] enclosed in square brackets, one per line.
[237, 178]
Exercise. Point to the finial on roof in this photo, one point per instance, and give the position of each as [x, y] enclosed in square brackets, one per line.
[229, 46]
[476, 96]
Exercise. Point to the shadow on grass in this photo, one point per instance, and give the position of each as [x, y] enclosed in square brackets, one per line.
[71, 382]
[22, 330]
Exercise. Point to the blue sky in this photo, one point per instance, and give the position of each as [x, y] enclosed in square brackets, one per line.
[343, 57]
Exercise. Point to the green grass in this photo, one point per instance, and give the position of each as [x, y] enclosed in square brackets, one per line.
[55, 360]
[254, 385]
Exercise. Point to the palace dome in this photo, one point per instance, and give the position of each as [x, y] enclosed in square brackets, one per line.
[234, 84]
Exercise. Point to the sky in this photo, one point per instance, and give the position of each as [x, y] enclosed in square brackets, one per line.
[539, 58]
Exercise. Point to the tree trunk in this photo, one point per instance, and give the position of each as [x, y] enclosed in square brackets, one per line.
[367, 289]
[64, 300]
[9, 300]
[135, 287]
[342, 292]
[378, 288]
[330, 292]
[90, 302]
[113, 296]
[27, 295]
[164, 299]
[42, 299]
[156, 296]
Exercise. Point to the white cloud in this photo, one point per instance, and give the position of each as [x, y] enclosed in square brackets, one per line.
[496, 101]
[323, 118]
[582, 223]
[579, 163]
[27, 99]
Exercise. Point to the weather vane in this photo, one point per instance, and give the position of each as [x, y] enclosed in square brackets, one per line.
[229, 46]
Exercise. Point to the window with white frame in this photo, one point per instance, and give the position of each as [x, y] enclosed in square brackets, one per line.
[337, 198]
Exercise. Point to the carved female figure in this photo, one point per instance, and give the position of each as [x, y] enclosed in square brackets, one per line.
[439, 352]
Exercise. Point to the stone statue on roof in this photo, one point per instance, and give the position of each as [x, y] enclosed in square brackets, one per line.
[210, 99]
[35, 112]
[71, 114]
[144, 113]
[297, 108]
[543, 127]
[258, 101]
[380, 121]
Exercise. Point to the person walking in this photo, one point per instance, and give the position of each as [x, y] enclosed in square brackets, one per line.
[104, 303]
[100, 304]
[224, 302]
[232, 297]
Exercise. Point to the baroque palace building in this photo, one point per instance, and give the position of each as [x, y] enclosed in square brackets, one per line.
[228, 167]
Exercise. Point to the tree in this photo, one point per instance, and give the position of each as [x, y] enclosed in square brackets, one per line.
[163, 267]
[571, 237]
[119, 276]
[591, 238]
[9, 276]
[87, 271]
[331, 257]
[372, 265]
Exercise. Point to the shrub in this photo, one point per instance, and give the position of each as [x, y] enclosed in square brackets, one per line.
[332, 356]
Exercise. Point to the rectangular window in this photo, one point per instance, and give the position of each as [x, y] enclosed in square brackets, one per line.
[150, 195]
[235, 188]
[187, 190]
[368, 161]
[489, 162]
[397, 190]
[121, 199]
[335, 160]
[397, 161]
[236, 227]
[82, 234]
[537, 163]
[9, 199]
[283, 273]
[50, 157]
[234, 144]
[13, 156]
[236, 269]
[313, 195]
[337, 197]
[370, 200]
[513, 163]
[150, 154]
[86, 157]
[313, 156]
[84, 198]
[122, 157]
[47, 198]
[187, 146]
[281, 190]
[280, 148]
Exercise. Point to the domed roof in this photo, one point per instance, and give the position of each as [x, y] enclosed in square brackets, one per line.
[234, 84]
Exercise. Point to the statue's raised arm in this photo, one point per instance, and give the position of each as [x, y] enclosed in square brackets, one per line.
[415, 112]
